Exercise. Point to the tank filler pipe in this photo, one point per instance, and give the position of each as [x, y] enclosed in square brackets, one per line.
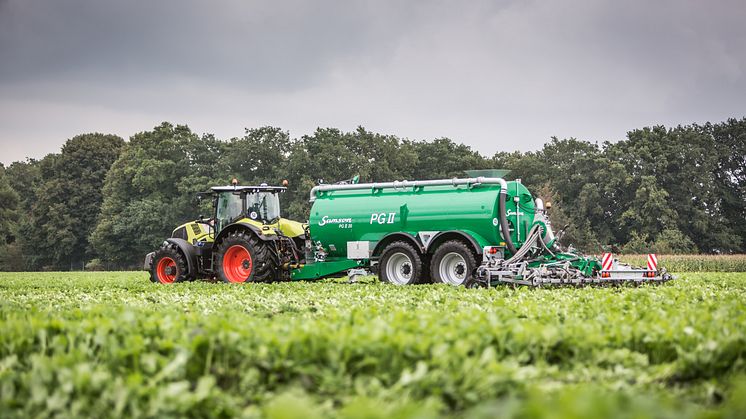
[481, 180]
[409, 184]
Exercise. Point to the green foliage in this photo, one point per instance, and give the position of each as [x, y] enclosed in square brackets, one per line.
[685, 162]
[331, 155]
[442, 158]
[668, 190]
[671, 241]
[591, 188]
[650, 210]
[95, 265]
[8, 208]
[113, 344]
[637, 244]
[691, 263]
[668, 242]
[579, 235]
[11, 258]
[259, 156]
[151, 189]
[66, 201]
[730, 174]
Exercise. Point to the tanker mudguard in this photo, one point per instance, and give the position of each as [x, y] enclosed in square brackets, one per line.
[188, 250]
[451, 234]
[399, 235]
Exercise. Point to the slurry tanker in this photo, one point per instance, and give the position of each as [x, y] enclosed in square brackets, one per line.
[475, 231]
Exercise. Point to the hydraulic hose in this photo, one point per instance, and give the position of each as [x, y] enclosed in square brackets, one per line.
[504, 229]
[544, 245]
[533, 235]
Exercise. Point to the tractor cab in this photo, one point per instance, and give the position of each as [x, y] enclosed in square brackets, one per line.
[260, 204]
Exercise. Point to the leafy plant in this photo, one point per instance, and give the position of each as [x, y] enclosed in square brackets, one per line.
[113, 344]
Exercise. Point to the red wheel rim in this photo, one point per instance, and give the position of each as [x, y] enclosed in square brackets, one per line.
[166, 270]
[237, 264]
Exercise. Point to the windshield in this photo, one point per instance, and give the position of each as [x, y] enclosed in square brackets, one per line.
[263, 206]
[229, 207]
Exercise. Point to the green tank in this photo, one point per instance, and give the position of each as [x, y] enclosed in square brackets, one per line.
[411, 232]
[420, 209]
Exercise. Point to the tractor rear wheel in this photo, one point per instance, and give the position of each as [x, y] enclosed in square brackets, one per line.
[401, 264]
[169, 265]
[453, 263]
[243, 257]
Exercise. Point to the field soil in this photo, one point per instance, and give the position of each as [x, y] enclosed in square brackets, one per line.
[112, 344]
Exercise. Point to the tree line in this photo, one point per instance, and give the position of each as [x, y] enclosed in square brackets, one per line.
[103, 202]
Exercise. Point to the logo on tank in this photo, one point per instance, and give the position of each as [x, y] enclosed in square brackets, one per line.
[346, 222]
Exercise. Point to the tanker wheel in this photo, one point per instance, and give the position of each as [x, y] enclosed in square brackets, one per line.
[169, 265]
[242, 257]
[453, 263]
[401, 264]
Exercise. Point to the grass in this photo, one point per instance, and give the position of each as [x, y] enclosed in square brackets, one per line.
[113, 344]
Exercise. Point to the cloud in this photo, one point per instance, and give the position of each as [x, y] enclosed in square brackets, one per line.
[497, 75]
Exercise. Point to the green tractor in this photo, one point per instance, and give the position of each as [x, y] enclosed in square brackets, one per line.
[245, 240]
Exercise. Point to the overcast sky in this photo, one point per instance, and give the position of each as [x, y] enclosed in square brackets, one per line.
[497, 75]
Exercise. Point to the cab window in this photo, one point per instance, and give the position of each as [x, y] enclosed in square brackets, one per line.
[264, 206]
[229, 207]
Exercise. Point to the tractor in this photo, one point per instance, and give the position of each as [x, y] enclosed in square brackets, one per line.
[245, 240]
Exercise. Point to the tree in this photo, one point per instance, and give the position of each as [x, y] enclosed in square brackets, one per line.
[150, 190]
[730, 173]
[591, 188]
[8, 206]
[570, 232]
[650, 212]
[9, 202]
[330, 155]
[67, 201]
[24, 178]
[442, 158]
[683, 161]
[666, 189]
[259, 156]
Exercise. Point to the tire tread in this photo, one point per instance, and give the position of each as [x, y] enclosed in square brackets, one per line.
[265, 257]
[452, 246]
[415, 256]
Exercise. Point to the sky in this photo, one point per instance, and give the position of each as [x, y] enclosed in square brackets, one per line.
[496, 75]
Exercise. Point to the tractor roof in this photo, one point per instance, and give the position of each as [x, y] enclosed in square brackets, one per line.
[249, 189]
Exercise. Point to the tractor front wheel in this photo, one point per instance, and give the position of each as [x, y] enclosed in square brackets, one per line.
[169, 265]
[243, 257]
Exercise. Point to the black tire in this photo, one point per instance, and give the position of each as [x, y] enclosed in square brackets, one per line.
[426, 277]
[169, 265]
[409, 260]
[460, 263]
[263, 259]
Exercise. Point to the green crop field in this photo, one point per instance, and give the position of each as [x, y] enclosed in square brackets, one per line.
[115, 345]
[693, 263]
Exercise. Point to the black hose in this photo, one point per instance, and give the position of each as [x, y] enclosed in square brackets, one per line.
[504, 221]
